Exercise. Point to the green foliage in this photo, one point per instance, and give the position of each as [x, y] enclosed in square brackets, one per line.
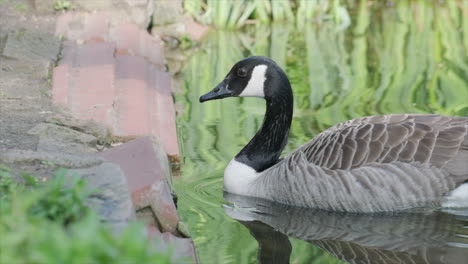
[236, 13]
[7, 184]
[63, 5]
[186, 42]
[48, 222]
[59, 203]
[225, 14]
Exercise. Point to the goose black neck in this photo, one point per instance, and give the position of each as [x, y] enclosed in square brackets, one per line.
[265, 148]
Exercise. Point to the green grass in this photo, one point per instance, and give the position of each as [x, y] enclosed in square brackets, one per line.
[48, 222]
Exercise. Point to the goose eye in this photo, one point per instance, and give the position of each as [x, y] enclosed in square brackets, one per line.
[241, 72]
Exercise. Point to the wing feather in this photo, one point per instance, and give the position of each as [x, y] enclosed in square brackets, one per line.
[432, 139]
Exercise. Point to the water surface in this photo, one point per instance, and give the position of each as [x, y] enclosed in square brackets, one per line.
[404, 57]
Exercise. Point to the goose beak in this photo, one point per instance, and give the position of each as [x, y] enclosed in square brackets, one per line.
[219, 92]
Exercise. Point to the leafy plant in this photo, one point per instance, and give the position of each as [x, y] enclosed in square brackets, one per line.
[63, 5]
[7, 184]
[48, 223]
[60, 202]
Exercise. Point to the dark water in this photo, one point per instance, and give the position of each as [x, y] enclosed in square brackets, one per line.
[405, 57]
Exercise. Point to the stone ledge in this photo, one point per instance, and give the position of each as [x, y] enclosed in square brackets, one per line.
[113, 201]
[27, 45]
[58, 158]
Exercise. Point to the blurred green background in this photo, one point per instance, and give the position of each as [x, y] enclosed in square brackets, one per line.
[345, 59]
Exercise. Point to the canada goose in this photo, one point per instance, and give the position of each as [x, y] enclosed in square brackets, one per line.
[368, 164]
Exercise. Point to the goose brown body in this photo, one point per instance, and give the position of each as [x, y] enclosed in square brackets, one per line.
[375, 163]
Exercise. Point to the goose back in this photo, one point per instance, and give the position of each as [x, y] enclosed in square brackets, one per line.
[432, 139]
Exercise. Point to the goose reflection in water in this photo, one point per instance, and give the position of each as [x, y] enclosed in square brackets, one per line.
[404, 237]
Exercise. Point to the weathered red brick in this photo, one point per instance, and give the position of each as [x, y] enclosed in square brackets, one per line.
[131, 107]
[147, 180]
[96, 26]
[151, 48]
[60, 84]
[131, 104]
[126, 36]
[131, 67]
[162, 111]
[138, 42]
[93, 93]
[68, 52]
[95, 54]
[133, 100]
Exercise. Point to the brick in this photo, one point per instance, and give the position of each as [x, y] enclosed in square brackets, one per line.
[118, 84]
[131, 104]
[126, 36]
[60, 84]
[131, 67]
[151, 48]
[147, 179]
[162, 111]
[131, 107]
[69, 50]
[139, 160]
[93, 93]
[96, 27]
[138, 42]
[95, 54]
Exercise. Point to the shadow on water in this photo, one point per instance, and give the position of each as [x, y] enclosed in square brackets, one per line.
[407, 57]
[405, 237]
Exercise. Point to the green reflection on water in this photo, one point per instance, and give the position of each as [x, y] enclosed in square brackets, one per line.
[410, 57]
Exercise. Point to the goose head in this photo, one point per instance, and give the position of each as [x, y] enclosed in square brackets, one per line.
[260, 77]
[255, 76]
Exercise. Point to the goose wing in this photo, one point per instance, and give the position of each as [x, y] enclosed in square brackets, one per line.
[440, 141]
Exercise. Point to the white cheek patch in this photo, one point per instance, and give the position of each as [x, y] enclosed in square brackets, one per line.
[256, 82]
